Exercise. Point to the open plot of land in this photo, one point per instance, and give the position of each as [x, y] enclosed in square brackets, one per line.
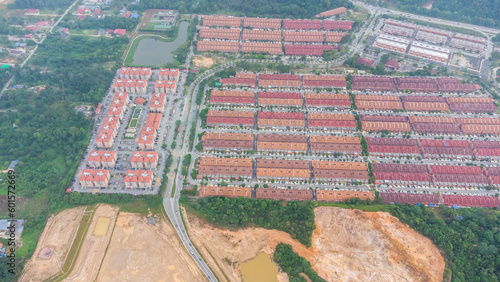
[102, 226]
[347, 245]
[139, 251]
[57, 238]
[21, 203]
[158, 19]
[202, 62]
[116, 247]
[465, 62]
[94, 246]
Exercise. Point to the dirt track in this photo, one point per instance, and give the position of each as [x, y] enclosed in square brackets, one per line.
[348, 245]
[143, 252]
[58, 235]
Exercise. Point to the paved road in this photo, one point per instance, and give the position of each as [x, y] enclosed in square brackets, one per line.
[171, 205]
[486, 31]
[481, 29]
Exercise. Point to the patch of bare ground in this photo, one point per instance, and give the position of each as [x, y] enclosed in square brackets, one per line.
[347, 245]
[142, 252]
[53, 245]
[202, 62]
[94, 246]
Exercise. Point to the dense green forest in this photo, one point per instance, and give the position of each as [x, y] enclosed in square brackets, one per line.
[295, 218]
[277, 8]
[5, 76]
[469, 238]
[293, 264]
[106, 23]
[39, 4]
[7, 29]
[50, 136]
[480, 12]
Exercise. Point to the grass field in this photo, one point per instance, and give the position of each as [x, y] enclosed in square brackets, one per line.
[138, 206]
[133, 123]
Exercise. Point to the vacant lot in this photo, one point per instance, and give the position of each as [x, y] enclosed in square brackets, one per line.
[94, 246]
[202, 62]
[117, 247]
[57, 237]
[347, 245]
[142, 252]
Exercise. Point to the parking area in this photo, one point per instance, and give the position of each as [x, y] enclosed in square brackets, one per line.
[135, 166]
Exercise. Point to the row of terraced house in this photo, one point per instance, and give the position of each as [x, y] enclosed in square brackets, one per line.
[327, 195]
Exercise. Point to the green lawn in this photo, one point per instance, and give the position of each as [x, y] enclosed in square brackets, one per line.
[172, 193]
[133, 123]
[138, 206]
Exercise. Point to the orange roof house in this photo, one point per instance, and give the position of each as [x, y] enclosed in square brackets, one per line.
[229, 192]
[120, 31]
[94, 178]
[342, 195]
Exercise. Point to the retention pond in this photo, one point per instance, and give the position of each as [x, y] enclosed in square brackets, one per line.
[155, 52]
[260, 269]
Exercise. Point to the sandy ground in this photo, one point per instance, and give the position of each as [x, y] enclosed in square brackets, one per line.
[58, 235]
[142, 252]
[460, 61]
[202, 62]
[348, 245]
[123, 247]
[94, 247]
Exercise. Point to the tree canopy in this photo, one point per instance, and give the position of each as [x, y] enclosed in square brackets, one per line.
[293, 264]
[277, 8]
[469, 238]
[295, 218]
[480, 12]
[39, 4]
[105, 23]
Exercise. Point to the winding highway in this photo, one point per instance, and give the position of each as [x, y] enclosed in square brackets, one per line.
[171, 205]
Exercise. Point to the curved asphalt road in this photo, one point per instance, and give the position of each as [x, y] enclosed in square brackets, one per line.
[171, 205]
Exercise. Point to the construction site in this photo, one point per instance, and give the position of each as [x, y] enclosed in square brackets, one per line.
[347, 245]
[102, 244]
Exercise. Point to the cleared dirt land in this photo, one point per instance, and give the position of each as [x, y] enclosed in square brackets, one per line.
[94, 246]
[117, 247]
[348, 245]
[56, 239]
[143, 252]
[202, 62]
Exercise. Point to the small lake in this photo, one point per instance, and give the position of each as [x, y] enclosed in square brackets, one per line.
[153, 52]
[260, 269]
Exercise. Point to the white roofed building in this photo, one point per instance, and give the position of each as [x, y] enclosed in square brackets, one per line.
[431, 52]
[392, 43]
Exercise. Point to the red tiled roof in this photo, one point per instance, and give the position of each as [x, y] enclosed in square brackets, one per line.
[120, 31]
